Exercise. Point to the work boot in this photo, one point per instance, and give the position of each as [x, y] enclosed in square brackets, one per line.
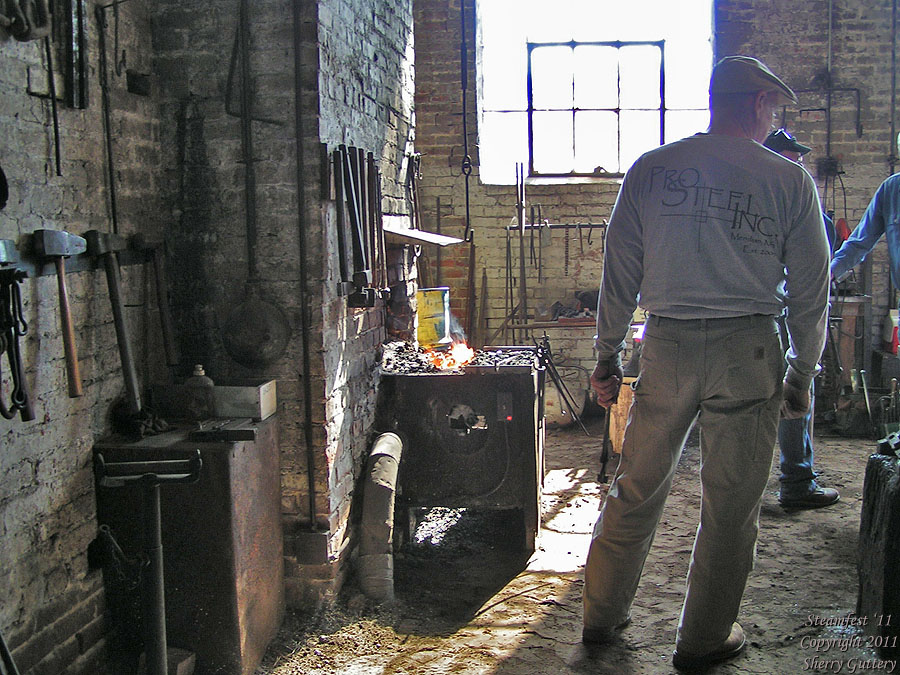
[600, 636]
[816, 499]
[732, 646]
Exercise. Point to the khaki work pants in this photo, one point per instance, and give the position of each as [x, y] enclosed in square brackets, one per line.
[728, 372]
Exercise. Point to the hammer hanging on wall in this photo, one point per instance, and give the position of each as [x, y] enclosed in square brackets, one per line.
[57, 246]
[104, 247]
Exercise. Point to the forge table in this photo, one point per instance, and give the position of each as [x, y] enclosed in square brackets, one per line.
[472, 439]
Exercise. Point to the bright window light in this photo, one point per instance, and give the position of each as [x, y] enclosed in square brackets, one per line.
[597, 101]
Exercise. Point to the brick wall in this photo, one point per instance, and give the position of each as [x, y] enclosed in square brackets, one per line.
[52, 615]
[356, 81]
[211, 226]
[493, 208]
[792, 39]
[180, 177]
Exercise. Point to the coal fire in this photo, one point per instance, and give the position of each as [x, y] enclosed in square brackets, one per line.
[459, 354]
[403, 358]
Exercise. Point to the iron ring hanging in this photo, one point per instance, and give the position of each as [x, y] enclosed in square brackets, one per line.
[467, 166]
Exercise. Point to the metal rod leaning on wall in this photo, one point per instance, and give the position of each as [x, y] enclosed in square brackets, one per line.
[247, 141]
[508, 290]
[466, 164]
[229, 85]
[362, 273]
[503, 326]
[302, 228]
[540, 263]
[385, 280]
[372, 207]
[155, 252]
[51, 80]
[345, 284]
[100, 13]
[470, 289]
[520, 215]
[438, 253]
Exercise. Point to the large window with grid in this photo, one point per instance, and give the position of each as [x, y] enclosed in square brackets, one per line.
[579, 88]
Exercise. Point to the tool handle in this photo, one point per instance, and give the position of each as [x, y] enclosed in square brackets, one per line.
[165, 317]
[68, 332]
[118, 309]
[604, 453]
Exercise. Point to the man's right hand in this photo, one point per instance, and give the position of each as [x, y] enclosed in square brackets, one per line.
[606, 381]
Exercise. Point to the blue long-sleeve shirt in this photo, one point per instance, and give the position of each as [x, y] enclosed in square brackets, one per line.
[882, 218]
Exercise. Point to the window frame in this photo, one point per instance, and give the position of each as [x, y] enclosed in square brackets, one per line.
[572, 44]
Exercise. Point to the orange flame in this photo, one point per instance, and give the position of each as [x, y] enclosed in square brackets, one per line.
[457, 356]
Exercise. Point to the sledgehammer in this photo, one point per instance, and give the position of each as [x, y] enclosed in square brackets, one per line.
[58, 246]
[104, 246]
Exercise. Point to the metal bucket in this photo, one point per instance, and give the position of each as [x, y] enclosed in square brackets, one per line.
[433, 329]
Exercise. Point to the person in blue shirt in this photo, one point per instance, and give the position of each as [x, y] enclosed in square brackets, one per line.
[881, 219]
[795, 436]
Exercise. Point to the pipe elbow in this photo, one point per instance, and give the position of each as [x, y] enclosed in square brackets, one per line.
[376, 560]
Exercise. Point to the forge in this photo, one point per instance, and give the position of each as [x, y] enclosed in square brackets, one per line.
[473, 435]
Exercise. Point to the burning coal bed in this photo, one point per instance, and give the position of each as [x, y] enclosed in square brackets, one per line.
[403, 358]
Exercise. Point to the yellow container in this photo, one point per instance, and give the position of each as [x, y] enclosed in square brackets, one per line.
[433, 327]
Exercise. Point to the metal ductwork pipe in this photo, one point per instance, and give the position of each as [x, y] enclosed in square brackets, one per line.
[376, 558]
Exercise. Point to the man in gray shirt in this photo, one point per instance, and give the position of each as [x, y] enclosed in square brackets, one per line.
[717, 236]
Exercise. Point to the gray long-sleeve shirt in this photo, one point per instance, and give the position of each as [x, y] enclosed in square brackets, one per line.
[716, 226]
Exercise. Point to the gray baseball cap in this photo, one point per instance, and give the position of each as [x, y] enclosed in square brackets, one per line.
[746, 75]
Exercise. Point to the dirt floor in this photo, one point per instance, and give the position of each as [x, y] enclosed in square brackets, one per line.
[468, 603]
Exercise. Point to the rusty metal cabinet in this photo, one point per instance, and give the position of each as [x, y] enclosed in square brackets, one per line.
[222, 544]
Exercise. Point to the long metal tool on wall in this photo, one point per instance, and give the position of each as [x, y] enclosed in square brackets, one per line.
[361, 249]
[464, 84]
[100, 13]
[303, 254]
[256, 331]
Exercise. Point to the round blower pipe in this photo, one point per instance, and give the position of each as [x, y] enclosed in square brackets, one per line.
[376, 558]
